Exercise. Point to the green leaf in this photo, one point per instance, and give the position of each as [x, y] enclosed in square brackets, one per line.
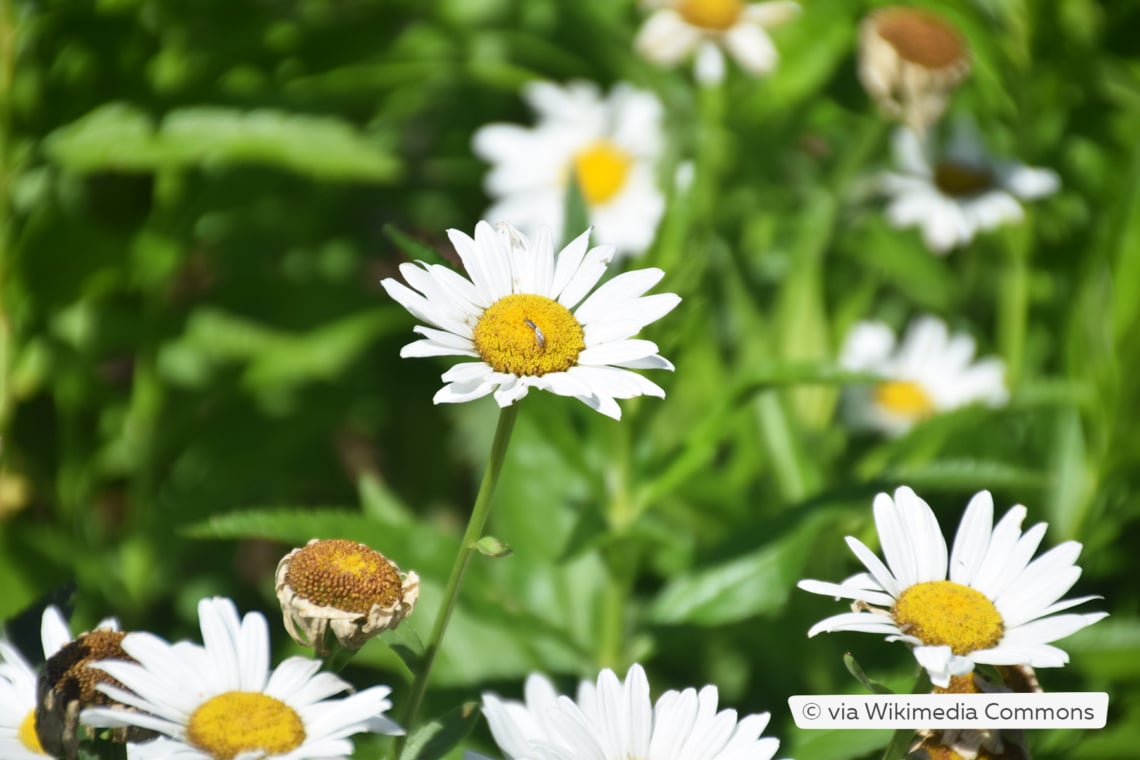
[433, 740]
[412, 248]
[120, 137]
[492, 547]
[967, 474]
[855, 669]
[753, 584]
[406, 643]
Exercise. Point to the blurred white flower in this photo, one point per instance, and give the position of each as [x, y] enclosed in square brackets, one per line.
[611, 145]
[909, 61]
[964, 190]
[932, 371]
[514, 317]
[996, 608]
[616, 721]
[678, 29]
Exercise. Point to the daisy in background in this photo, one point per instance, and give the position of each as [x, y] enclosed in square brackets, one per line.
[959, 192]
[616, 721]
[910, 60]
[678, 29]
[932, 371]
[221, 701]
[997, 607]
[19, 739]
[529, 320]
[610, 145]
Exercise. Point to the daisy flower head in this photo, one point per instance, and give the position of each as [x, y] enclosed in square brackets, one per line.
[343, 586]
[910, 59]
[615, 720]
[954, 194]
[533, 319]
[610, 145]
[988, 601]
[21, 727]
[931, 371]
[677, 29]
[221, 701]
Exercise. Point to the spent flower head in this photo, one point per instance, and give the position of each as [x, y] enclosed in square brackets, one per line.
[222, 701]
[533, 319]
[910, 60]
[931, 371]
[986, 602]
[678, 29]
[343, 586]
[615, 720]
[953, 194]
[609, 145]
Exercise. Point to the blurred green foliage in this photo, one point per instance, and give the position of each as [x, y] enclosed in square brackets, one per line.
[197, 201]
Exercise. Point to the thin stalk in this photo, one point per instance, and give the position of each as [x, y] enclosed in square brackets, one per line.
[1013, 306]
[620, 562]
[474, 532]
[900, 740]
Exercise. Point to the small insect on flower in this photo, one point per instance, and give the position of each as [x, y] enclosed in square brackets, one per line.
[538, 336]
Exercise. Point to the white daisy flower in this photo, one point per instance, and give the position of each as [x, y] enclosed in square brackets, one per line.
[679, 28]
[18, 734]
[616, 721]
[221, 701]
[611, 145]
[960, 193]
[997, 607]
[529, 320]
[932, 371]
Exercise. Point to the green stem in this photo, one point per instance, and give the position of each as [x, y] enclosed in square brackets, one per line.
[474, 532]
[620, 561]
[900, 740]
[1013, 306]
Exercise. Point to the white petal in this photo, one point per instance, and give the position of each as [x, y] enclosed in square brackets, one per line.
[587, 276]
[666, 38]
[972, 538]
[613, 294]
[752, 48]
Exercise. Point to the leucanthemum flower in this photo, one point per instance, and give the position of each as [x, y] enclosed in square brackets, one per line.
[910, 59]
[677, 29]
[530, 320]
[610, 145]
[932, 371]
[959, 193]
[220, 701]
[616, 721]
[19, 729]
[985, 603]
[343, 586]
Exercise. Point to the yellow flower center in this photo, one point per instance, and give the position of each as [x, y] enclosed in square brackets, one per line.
[921, 37]
[961, 180]
[241, 721]
[601, 169]
[27, 734]
[904, 398]
[717, 15]
[527, 334]
[945, 613]
[344, 574]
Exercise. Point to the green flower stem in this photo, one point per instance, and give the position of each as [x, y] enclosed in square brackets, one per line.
[1013, 303]
[473, 533]
[621, 564]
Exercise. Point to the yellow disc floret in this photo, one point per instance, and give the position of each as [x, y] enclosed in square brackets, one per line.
[715, 15]
[241, 721]
[27, 734]
[904, 399]
[526, 334]
[347, 575]
[602, 170]
[945, 613]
